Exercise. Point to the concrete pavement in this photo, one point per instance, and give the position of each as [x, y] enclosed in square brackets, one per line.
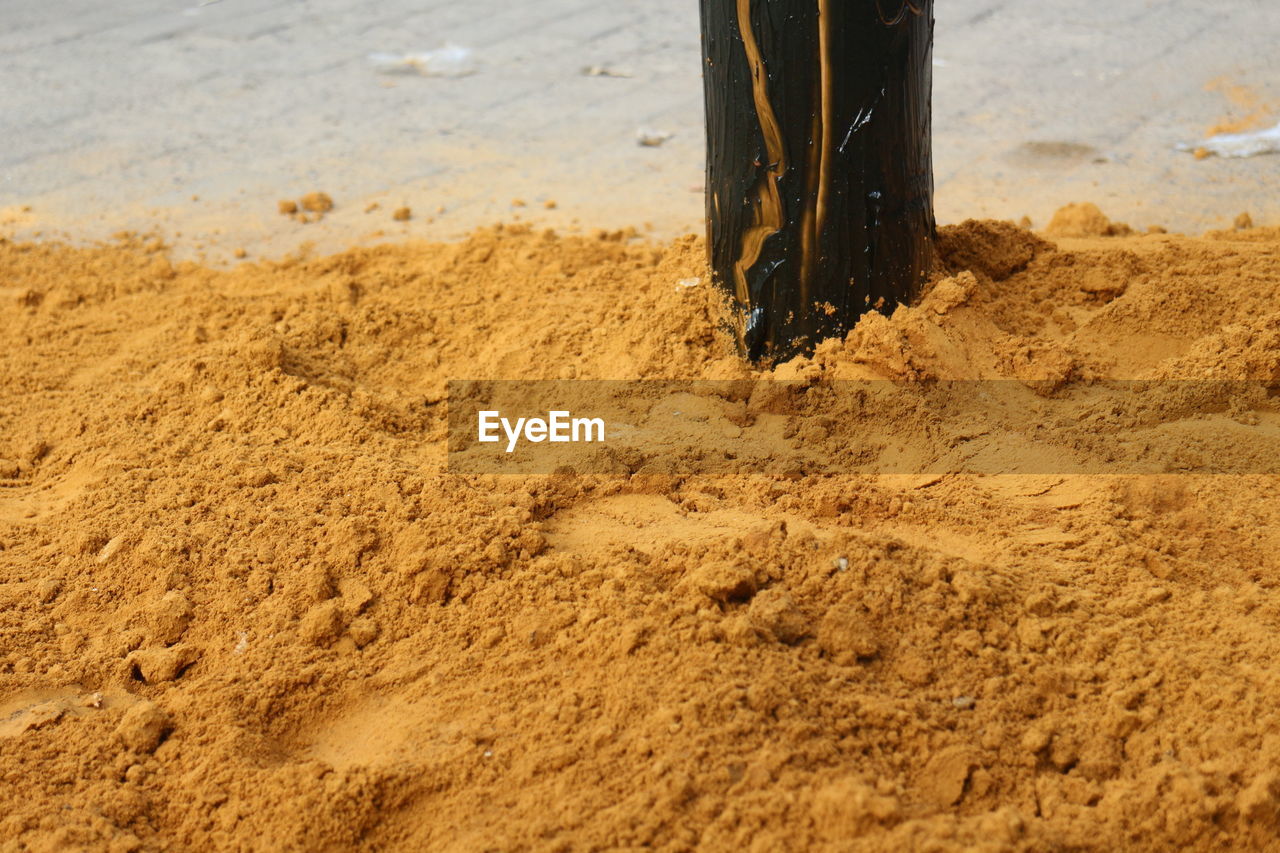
[195, 117]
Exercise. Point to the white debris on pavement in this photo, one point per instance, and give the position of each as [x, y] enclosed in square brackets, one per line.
[1240, 144]
[650, 138]
[449, 61]
[604, 71]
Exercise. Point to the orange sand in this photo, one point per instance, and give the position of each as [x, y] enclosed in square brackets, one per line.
[243, 607]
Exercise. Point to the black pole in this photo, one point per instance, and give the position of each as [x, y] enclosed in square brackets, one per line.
[819, 166]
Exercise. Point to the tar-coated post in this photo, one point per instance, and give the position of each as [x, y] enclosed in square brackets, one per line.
[819, 164]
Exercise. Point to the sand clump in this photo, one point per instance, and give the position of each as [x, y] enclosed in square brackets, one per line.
[316, 202]
[1084, 220]
[312, 207]
[224, 512]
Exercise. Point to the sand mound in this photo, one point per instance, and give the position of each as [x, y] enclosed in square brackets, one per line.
[243, 605]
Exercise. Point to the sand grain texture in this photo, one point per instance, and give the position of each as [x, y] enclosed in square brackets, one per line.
[243, 605]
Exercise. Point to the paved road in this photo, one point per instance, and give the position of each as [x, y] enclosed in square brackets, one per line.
[117, 114]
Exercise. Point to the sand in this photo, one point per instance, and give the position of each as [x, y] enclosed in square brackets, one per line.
[243, 605]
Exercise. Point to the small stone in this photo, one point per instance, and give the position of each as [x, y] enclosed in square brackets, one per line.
[963, 702]
[287, 207]
[402, 214]
[1243, 222]
[109, 550]
[946, 773]
[143, 727]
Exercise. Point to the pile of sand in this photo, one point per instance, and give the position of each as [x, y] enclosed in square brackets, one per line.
[243, 605]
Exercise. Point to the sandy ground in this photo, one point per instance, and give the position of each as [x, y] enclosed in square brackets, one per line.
[243, 604]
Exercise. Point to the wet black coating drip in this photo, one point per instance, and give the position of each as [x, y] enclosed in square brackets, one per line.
[819, 185]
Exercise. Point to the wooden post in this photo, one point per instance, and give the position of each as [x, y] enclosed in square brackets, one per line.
[819, 165]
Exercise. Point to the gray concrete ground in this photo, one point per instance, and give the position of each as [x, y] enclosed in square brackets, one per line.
[196, 116]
